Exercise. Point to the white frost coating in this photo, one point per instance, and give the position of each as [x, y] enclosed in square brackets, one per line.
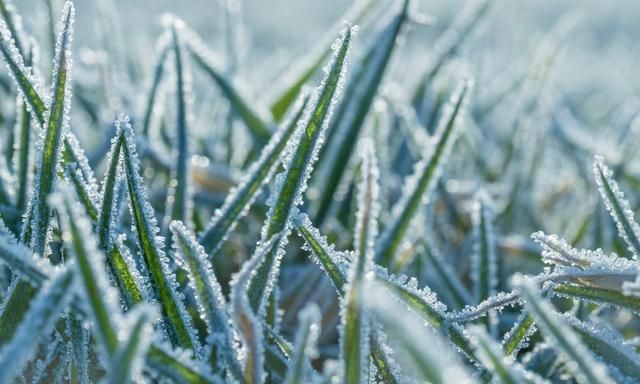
[248, 323]
[252, 173]
[556, 250]
[53, 347]
[21, 259]
[75, 223]
[625, 356]
[309, 157]
[524, 341]
[43, 312]
[62, 56]
[425, 352]
[207, 290]
[305, 344]
[583, 365]
[78, 346]
[627, 226]
[141, 278]
[366, 230]
[420, 171]
[128, 361]
[83, 162]
[150, 223]
[484, 248]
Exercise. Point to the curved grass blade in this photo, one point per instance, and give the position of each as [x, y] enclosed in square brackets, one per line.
[618, 206]
[583, 365]
[291, 184]
[180, 196]
[312, 65]
[57, 122]
[424, 178]
[108, 197]
[39, 320]
[248, 323]
[259, 128]
[354, 333]
[101, 299]
[489, 352]
[608, 345]
[599, 296]
[351, 114]
[208, 294]
[306, 338]
[425, 351]
[240, 199]
[151, 247]
[484, 263]
[518, 336]
[127, 361]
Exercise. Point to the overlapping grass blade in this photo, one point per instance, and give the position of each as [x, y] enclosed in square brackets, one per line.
[424, 178]
[355, 324]
[129, 357]
[240, 199]
[57, 121]
[492, 357]
[425, 351]
[39, 320]
[305, 348]
[519, 335]
[100, 297]
[312, 65]
[162, 277]
[208, 294]
[291, 184]
[618, 206]
[350, 116]
[583, 366]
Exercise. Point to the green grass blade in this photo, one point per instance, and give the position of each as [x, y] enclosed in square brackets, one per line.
[240, 199]
[425, 351]
[180, 196]
[23, 155]
[108, 199]
[599, 296]
[583, 365]
[608, 345]
[291, 184]
[458, 291]
[259, 128]
[490, 354]
[484, 263]
[306, 338]
[208, 293]
[618, 206]
[73, 175]
[352, 112]
[355, 331]
[519, 335]
[424, 178]
[127, 361]
[312, 65]
[162, 277]
[39, 320]
[176, 367]
[56, 124]
[101, 299]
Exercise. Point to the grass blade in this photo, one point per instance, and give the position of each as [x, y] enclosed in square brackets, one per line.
[618, 206]
[424, 178]
[351, 114]
[240, 199]
[291, 184]
[584, 367]
[306, 338]
[162, 278]
[56, 124]
[208, 293]
[39, 320]
[126, 364]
